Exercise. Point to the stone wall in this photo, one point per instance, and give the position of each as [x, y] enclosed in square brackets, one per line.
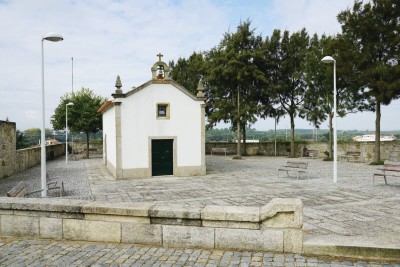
[276, 226]
[29, 157]
[13, 161]
[389, 150]
[7, 148]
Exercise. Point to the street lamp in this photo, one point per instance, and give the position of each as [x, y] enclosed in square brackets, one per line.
[66, 131]
[52, 37]
[329, 59]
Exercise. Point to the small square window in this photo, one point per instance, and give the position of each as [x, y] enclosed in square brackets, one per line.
[163, 111]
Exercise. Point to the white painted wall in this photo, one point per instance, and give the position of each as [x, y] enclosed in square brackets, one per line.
[109, 130]
[138, 122]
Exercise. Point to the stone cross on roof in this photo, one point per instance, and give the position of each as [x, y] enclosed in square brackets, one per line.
[159, 56]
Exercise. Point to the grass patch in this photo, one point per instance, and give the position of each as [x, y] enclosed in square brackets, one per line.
[381, 162]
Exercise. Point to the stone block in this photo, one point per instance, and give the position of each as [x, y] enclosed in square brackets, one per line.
[243, 239]
[282, 213]
[144, 234]
[126, 209]
[231, 213]
[49, 214]
[181, 211]
[48, 204]
[231, 224]
[50, 228]
[6, 212]
[175, 221]
[117, 218]
[91, 230]
[188, 236]
[12, 225]
[293, 240]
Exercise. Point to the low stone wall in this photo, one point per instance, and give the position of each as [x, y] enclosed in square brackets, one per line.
[276, 226]
[389, 150]
[24, 159]
[29, 157]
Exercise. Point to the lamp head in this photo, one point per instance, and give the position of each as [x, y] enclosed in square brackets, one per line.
[70, 104]
[328, 59]
[53, 37]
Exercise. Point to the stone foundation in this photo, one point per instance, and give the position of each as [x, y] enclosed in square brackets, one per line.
[275, 227]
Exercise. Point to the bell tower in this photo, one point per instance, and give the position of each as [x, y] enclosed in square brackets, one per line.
[160, 70]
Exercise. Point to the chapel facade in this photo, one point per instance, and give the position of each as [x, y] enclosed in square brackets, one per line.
[155, 129]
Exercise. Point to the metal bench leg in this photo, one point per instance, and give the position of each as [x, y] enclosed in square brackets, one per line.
[384, 176]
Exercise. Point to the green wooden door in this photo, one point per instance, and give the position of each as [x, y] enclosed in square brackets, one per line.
[162, 157]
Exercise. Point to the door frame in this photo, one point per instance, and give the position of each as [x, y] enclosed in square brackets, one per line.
[174, 153]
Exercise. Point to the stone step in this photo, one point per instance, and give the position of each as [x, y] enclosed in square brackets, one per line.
[362, 247]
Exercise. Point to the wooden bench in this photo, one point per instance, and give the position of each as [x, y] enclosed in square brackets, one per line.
[295, 166]
[20, 190]
[389, 169]
[311, 153]
[352, 156]
[219, 150]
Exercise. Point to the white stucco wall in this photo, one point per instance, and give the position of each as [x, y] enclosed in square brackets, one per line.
[138, 122]
[109, 130]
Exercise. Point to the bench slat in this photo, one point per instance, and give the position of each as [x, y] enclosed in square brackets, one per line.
[20, 190]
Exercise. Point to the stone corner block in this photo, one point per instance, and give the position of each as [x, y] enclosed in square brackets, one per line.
[188, 236]
[231, 213]
[282, 213]
[178, 211]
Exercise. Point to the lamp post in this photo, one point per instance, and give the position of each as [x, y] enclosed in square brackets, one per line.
[66, 131]
[329, 59]
[52, 37]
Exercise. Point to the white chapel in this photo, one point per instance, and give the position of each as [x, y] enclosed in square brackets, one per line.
[155, 129]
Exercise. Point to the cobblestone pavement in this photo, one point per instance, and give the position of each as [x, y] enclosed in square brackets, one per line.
[352, 207]
[51, 253]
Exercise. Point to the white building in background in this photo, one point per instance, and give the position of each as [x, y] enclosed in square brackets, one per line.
[371, 138]
[155, 129]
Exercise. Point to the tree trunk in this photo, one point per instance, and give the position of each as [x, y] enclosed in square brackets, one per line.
[330, 147]
[292, 151]
[377, 156]
[244, 140]
[87, 145]
[239, 152]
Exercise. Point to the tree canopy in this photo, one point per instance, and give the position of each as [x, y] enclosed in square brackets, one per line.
[82, 115]
[372, 32]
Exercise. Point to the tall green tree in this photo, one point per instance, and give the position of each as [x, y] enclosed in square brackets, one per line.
[188, 72]
[318, 104]
[372, 30]
[82, 116]
[287, 73]
[234, 79]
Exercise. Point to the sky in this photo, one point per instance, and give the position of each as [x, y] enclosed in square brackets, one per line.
[108, 38]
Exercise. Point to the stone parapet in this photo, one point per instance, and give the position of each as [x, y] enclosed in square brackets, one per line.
[276, 226]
